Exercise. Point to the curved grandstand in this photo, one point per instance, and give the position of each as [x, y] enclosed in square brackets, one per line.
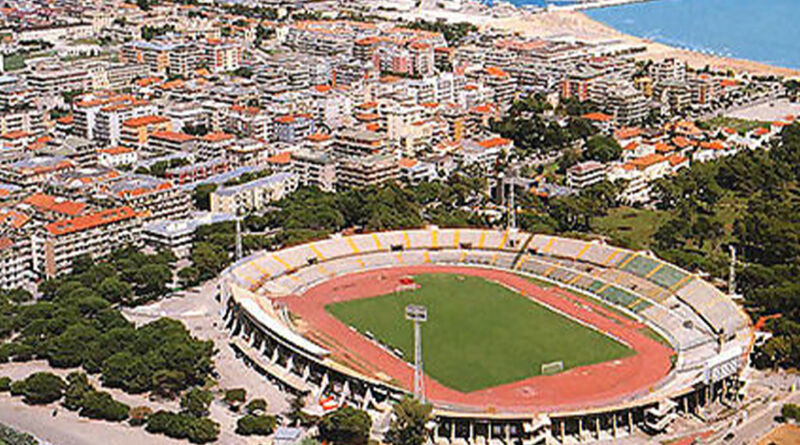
[688, 340]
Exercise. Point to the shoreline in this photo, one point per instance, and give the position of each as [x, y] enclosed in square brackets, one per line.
[559, 22]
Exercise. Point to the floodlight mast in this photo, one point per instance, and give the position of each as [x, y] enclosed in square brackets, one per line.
[418, 314]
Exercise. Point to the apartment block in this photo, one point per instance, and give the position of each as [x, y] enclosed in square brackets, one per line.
[96, 234]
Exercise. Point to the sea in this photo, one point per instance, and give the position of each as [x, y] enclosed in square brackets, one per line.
[766, 31]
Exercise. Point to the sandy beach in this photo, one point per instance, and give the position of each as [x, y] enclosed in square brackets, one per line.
[564, 23]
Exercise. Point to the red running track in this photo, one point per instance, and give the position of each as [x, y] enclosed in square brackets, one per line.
[578, 388]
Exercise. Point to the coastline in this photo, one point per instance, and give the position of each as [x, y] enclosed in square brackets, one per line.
[567, 22]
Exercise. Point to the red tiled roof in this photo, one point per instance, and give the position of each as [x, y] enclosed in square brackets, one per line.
[682, 142]
[319, 137]
[389, 79]
[173, 136]
[631, 146]
[280, 158]
[16, 135]
[676, 159]
[115, 150]
[598, 117]
[289, 118]
[713, 145]
[147, 81]
[486, 108]
[367, 116]
[627, 133]
[97, 219]
[496, 72]
[663, 148]
[248, 110]
[144, 120]
[407, 162]
[647, 161]
[494, 142]
[216, 137]
[49, 203]
[14, 219]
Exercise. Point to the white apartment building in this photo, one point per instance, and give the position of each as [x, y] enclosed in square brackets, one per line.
[16, 261]
[96, 234]
[364, 171]
[254, 195]
[314, 168]
[586, 174]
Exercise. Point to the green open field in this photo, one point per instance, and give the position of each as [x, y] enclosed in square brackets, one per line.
[629, 226]
[479, 334]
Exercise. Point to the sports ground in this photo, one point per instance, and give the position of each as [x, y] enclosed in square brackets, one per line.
[487, 348]
[474, 324]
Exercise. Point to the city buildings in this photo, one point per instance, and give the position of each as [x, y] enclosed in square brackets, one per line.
[253, 196]
[95, 234]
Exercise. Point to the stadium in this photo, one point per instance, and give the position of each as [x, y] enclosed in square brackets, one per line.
[529, 338]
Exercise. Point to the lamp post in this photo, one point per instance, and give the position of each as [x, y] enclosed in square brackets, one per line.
[418, 314]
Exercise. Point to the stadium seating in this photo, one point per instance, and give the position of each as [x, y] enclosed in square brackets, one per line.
[684, 306]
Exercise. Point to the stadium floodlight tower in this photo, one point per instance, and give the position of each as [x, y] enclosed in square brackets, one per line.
[418, 314]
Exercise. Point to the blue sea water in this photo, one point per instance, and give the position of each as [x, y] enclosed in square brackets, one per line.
[765, 31]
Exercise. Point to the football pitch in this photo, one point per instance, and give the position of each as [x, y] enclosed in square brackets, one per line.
[479, 334]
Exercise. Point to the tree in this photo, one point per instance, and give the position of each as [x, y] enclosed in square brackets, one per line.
[152, 279]
[201, 196]
[296, 405]
[209, 259]
[252, 425]
[203, 430]
[188, 276]
[602, 149]
[17, 388]
[69, 96]
[790, 411]
[100, 405]
[167, 383]
[82, 263]
[68, 350]
[345, 426]
[256, 406]
[42, 388]
[408, 425]
[139, 415]
[18, 295]
[235, 397]
[183, 426]
[77, 387]
[115, 291]
[196, 402]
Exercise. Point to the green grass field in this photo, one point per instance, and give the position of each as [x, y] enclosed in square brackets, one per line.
[629, 226]
[479, 334]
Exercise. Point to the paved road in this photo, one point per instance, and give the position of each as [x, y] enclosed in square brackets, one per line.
[762, 422]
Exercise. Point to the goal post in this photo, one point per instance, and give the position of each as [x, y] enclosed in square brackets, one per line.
[552, 367]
